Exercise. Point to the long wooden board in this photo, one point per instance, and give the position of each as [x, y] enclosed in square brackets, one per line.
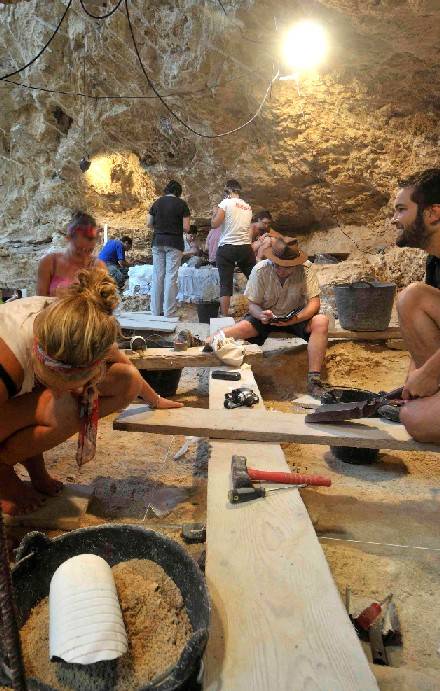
[167, 358]
[148, 315]
[144, 322]
[390, 332]
[269, 426]
[277, 619]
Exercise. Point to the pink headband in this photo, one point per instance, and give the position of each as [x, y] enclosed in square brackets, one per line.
[57, 365]
[88, 231]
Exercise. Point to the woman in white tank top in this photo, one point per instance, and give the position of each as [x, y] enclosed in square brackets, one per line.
[60, 370]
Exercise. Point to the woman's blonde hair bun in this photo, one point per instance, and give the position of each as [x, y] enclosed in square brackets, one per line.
[79, 327]
[96, 285]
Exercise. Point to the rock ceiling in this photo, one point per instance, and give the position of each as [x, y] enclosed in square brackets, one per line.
[328, 152]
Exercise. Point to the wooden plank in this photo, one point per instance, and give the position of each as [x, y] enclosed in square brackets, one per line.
[269, 426]
[339, 332]
[147, 314]
[141, 322]
[168, 358]
[277, 622]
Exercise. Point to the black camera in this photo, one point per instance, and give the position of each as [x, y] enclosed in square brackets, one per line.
[241, 398]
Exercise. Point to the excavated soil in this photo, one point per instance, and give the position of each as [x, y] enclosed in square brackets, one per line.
[157, 628]
[378, 524]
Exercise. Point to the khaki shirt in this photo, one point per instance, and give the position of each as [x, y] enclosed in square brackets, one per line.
[265, 289]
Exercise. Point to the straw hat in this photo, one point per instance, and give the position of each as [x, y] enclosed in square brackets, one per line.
[284, 251]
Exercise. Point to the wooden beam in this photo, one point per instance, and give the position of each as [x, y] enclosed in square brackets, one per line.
[278, 621]
[167, 358]
[390, 332]
[269, 426]
[141, 321]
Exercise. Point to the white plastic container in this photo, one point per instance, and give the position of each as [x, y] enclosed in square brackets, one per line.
[85, 618]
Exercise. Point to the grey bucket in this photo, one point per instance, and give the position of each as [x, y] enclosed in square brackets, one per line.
[365, 305]
[39, 557]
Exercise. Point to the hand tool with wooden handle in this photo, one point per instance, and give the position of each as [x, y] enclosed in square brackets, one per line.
[242, 476]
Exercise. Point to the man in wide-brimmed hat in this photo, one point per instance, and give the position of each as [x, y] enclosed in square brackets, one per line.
[283, 282]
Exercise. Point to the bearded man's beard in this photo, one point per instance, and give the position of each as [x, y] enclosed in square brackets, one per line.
[416, 235]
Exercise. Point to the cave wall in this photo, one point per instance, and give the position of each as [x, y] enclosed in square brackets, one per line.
[322, 157]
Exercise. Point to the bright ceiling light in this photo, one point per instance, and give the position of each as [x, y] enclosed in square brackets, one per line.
[305, 46]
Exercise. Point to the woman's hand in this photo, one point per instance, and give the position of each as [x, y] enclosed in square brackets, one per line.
[164, 403]
[156, 401]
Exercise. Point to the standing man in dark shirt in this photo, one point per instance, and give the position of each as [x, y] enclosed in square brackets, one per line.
[169, 217]
[417, 218]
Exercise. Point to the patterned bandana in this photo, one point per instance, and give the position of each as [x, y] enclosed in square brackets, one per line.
[88, 421]
[88, 404]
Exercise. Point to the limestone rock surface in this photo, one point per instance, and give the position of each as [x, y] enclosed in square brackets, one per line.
[323, 154]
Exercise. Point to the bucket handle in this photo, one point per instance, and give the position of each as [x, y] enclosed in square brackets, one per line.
[32, 543]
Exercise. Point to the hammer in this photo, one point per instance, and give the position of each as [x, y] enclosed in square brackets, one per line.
[242, 476]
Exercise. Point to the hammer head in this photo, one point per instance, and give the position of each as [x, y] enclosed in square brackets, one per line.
[239, 473]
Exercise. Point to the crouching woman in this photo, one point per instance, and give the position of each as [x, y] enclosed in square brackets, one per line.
[60, 371]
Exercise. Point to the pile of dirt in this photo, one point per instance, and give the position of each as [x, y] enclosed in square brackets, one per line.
[157, 627]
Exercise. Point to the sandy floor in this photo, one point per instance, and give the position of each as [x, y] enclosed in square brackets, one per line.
[396, 501]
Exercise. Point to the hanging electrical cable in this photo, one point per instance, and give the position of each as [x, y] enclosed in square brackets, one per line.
[222, 6]
[180, 94]
[102, 16]
[85, 162]
[31, 62]
[171, 111]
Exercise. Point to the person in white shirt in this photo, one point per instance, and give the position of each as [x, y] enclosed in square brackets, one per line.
[234, 248]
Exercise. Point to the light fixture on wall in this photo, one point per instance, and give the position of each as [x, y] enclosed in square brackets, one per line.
[85, 164]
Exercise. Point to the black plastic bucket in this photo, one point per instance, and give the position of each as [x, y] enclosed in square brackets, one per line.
[207, 311]
[365, 305]
[350, 454]
[39, 557]
[163, 381]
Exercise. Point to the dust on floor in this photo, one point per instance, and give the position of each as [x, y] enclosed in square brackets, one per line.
[393, 502]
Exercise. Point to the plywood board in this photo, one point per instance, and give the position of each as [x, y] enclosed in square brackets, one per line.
[148, 315]
[277, 618]
[390, 332]
[143, 322]
[269, 426]
[168, 358]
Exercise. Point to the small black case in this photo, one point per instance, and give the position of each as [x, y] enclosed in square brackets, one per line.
[224, 374]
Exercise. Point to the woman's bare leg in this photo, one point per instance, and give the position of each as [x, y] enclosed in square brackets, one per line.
[15, 496]
[40, 478]
[54, 421]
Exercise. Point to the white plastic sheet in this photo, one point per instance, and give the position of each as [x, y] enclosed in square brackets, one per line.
[198, 285]
[85, 618]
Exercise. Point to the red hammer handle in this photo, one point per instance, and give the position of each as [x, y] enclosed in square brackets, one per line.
[288, 478]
